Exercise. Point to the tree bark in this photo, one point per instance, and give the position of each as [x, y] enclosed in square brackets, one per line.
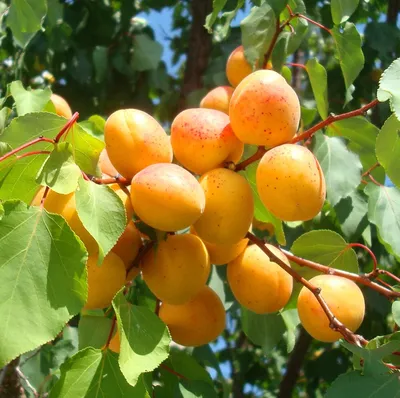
[10, 386]
[200, 43]
[294, 364]
[392, 11]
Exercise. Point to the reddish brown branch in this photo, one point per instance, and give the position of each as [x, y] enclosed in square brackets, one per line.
[371, 169]
[375, 181]
[314, 23]
[25, 155]
[67, 126]
[253, 158]
[302, 66]
[112, 180]
[172, 371]
[367, 249]
[158, 305]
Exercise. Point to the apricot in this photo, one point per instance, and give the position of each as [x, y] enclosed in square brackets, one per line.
[115, 343]
[237, 67]
[135, 140]
[221, 254]
[38, 197]
[203, 140]
[65, 206]
[105, 164]
[124, 195]
[104, 281]
[342, 296]
[218, 99]
[61, 105]
[167, 197]
[290, 183]
[128, 245]
[264, 109]
[258, 283]
[198, 321]
[177, 269]
[229, 207]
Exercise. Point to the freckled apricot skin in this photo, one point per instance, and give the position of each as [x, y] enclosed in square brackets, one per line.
[218, 99]
[237, 67]
[167, 197]
[177, 269]
[128, 245]
[264, 109]
[135, 140]
[344, 298]
[257, 283]
[104, 281]
[105, 165]
[203, 140]
[61, 105]
[197, 322]
[290, 183]
[229, 207]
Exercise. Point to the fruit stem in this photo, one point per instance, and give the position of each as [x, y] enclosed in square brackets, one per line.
[302, 66]
[168, 369]
[112, 180]
[67, 126]
[313, 22]
[253, 158]
[26, 145]
[331, 119]
[110, 334]
[33, 153]
[371, 169]
[367, 249]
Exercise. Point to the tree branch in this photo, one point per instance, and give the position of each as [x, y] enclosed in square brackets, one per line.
[26, 145]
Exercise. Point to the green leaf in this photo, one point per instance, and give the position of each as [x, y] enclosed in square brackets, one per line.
[261, 213]
[341, 168]
[319, 84]
[144, 337]
[42, 268]
[342, 10]
[100, 63]
[25, 18]
[279, 53]
[396, 312]
[308, 115]
[59, 171]
[94, 126]
[265, 330]
[348, 52]
[29, 100]
[219, 284]
[384, 212]
[388, 148]
[102, 214]
[258, 29]
[389, 87]
[218, 5]
[4, 115]
[147, 53]
[92, 373]
[228, 17]
[93, 330]
[196, 389]
[300, 27]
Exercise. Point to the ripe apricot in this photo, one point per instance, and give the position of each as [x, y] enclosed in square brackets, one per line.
[128, 245]
[115, 343]
[198, 321]
[343, 297]
[61, 105]
[177, 269]
[104, 281]
[221, 254]
[264, 109]
[203, 140]
[258, 283]
[124, 195]
[291, 183]
[237, 67]
[135, 140]
[65, 205]
[229, 207]
[167, 197]
[218, 99]
[105, 164]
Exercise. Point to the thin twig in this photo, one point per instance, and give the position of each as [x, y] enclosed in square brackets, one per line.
[112, 180]
[367, 249]
[267, 55]
[314, 22]
[172, 371]
[253, 158]
[23, 377]
[158, 305]
[371, 169]
[110, 334]
[302, 66]
[67, 126]
[25, 155]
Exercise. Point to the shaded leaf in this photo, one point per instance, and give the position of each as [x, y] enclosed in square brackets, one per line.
[218, 5]
[219, 284]
[147, 53]
[396, 312]
[389, 88]
[342, 10]
[319, 84]
[100, 63]
[279, 53]
[93, 330]
[28, 101]
[196, 389]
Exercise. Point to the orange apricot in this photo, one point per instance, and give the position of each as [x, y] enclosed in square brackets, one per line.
[135, 140]
[203, 140]
[61, 105]
[237, 67]
[105, 164]
[115, 343]
[290, 183]
[258, 283]
[264, 109]
[167, 197]
[198, 321]
[343, 297]
[218, 99]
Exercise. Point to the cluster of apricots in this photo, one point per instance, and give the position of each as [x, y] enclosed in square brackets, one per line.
[184, 185]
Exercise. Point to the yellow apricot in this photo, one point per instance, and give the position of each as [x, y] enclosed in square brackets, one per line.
[237, 67]
[177, 269]
[167, 197]
[197, 322]
[258, 283]
[115, 343]
[221, 254]
[61, 105]
[65, 206]
[290, 183]
[104, 281]
[264, 109]
[124, 195]
[105, 164]
[135, 140]
[218, 99]
[229, 207]
[128, 245]
[38, 197]
[203, 140]
[343, 297]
